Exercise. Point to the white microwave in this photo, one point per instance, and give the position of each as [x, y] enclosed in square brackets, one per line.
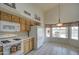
[6, 26]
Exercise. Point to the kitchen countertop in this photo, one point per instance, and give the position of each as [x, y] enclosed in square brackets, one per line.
[13, 41]
[27, 38]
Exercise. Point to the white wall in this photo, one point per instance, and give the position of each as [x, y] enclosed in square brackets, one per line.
[69, 13]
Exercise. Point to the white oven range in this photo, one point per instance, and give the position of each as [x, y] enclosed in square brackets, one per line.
[11, 47]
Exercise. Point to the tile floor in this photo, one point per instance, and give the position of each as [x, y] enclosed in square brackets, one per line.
[55, 49]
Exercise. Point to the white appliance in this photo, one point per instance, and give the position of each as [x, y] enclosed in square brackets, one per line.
[38, 33]
[9, 47]
[6, 26]
[40, 36]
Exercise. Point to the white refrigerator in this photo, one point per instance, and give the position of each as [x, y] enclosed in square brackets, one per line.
[38, 33]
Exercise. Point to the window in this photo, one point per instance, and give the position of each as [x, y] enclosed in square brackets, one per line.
[74, 32]
[59, 32]
[47, 32]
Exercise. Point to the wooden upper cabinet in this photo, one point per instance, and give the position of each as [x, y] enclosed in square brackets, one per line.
[15, 19]
[28, 22]
[37, 23]
[32, 23]
[5, 16]
[23, 25]
[28, 25]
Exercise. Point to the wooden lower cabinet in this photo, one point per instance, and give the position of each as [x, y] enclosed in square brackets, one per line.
[28, 45]
[31, 44]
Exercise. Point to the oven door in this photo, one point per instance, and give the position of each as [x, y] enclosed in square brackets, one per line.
[18, 46]
[15, 48]
[9, 26]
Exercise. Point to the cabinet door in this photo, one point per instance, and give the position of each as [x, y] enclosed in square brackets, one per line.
[15, 19]
[38, 23]
[28, 25]
[32, 22]
[26, 46]
[23, 25]
[5, 16]
[31, 43]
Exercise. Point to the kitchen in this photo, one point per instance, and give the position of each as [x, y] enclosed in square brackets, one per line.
[39, 29]
[17, 36]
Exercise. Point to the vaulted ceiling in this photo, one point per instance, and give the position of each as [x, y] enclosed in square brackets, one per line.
[45, 6]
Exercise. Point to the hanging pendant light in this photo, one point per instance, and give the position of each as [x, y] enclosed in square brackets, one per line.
[59, 23]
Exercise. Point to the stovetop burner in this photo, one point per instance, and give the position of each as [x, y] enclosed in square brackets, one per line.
[6, 41]
[16, 39]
